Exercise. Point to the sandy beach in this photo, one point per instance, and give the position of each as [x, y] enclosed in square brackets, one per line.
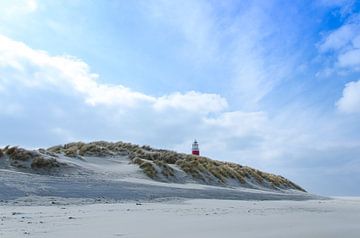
[185, 218]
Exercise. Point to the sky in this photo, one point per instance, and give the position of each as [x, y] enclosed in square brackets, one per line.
[273, 84]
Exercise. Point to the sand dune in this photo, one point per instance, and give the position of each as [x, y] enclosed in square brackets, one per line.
[103, 171]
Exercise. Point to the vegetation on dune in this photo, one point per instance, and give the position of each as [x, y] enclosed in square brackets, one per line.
[148, 169]
[201, 167]
[155, 162]
[41, 163]
[191, 167]
[19, 154]
[99, 149]
[152, 160]
[166, 170]
[146, 157]
[204, 168]
[146, 166]
[21, 158]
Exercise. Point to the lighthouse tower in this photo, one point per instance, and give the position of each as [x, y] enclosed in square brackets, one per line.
[195, 148]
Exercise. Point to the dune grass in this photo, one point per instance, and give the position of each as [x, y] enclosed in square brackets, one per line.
[19, 154]
[22, 158]
[148, 169]
[199, 167]
[166, 170]
[41, 163]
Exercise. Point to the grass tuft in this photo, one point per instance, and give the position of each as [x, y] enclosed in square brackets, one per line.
[148, 169]
[19, 154]
[41, 163]
[166, 170]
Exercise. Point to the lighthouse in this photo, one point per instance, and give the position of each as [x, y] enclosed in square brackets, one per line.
[195, 148]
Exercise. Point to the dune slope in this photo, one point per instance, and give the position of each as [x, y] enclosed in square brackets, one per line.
[123, 171]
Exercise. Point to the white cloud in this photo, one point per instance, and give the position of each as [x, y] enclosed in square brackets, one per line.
[339, 38]
[35, 68]
[14, 8]
[39, 69]
[344, 43]
[350, 59]
[192, 101]
[350, 100]
[240, 123]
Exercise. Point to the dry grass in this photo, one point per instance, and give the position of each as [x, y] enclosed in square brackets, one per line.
[138, 161]
[10, 150]
[166, 170]
[201, 167]
[148, 169]
[55, 149]
[198, 167]
[138, 155]
[22, 158]
[191, 167]
[98, 149]
[102, 148]
[19, 154]
[41, 163]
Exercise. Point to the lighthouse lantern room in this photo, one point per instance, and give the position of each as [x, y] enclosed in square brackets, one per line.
[195, 148]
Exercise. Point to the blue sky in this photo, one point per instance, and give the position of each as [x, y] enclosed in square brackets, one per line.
[270, 84]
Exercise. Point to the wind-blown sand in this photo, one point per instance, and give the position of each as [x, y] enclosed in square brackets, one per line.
[185, 218]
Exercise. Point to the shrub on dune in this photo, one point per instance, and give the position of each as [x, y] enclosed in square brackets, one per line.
[19, 154]
[137, 161]
[55, 149]
[166, 170]
[42, 163]
[148, 169]
[71, 152]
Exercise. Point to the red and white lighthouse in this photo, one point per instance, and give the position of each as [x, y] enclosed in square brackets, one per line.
[195, 148]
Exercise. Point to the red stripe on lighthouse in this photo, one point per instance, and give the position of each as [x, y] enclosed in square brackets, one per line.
[195, 152]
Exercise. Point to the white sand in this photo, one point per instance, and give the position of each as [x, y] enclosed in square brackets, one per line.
[191, 218]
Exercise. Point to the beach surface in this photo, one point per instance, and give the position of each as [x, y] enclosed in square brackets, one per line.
[337, 217]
